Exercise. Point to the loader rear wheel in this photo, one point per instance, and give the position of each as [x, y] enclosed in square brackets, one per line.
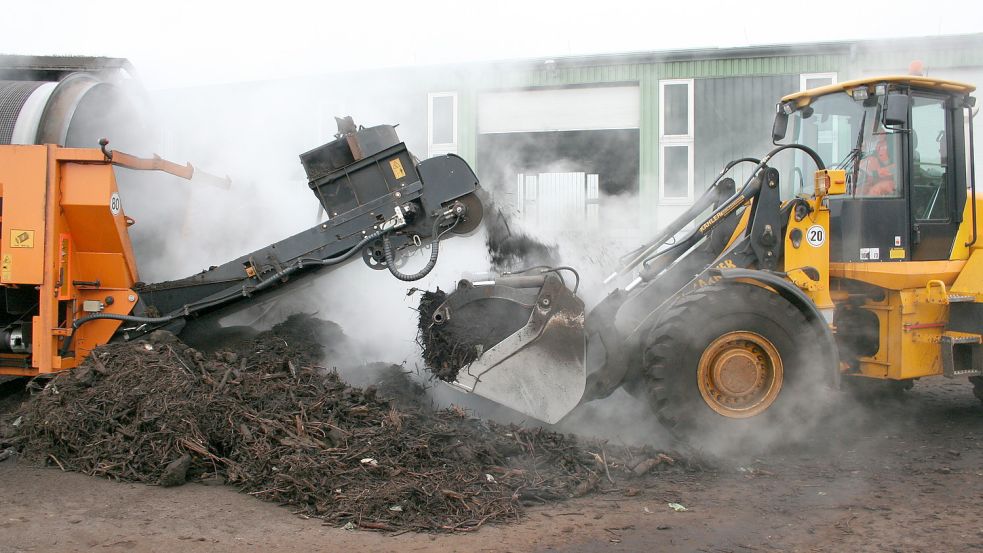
[727, 359]
[977, 386]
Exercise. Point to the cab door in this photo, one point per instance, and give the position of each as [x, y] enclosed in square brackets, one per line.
[870, 223]
[932, 199]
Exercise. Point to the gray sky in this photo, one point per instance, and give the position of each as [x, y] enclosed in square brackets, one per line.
[184, 43]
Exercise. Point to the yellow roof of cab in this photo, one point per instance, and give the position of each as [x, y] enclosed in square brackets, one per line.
[943, 85]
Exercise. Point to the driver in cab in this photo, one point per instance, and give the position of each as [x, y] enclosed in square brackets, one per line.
[878, 172]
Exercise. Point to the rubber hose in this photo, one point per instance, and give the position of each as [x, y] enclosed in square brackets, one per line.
[112, 316]
[387, 248]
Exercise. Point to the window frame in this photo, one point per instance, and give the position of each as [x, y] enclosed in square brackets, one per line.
[686, 140]
[804, 77]
[950, 181]
[835, 130]
[440, 148]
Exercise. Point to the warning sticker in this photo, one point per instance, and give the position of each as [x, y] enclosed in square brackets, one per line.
[870, 254]
[21, 238]
[8, 262]
[397, 167]
[897, 253]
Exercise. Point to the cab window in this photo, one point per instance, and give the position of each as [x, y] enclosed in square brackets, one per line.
[878, 175]
[929, 196]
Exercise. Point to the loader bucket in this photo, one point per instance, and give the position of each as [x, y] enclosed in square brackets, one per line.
[537, 365]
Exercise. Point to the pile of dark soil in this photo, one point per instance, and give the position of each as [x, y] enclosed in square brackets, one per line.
[266, 419]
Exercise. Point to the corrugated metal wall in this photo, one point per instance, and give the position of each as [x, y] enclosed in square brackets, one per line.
[733, 120]
[648, 75]
[748, 105]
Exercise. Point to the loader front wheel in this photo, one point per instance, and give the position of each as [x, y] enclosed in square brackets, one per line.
[740, 374]
[728, 359]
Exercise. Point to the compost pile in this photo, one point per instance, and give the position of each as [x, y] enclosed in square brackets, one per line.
[263, 417]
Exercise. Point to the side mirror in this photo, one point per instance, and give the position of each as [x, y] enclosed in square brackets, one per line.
[895, 112]
[780, 127]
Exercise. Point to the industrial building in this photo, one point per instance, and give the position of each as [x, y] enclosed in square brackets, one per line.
[560, 139]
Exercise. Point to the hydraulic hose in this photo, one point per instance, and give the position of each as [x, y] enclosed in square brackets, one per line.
[646, 251]
[576, 275]
[112, 316]
[307, 261]
[387, 250]
[197, 306]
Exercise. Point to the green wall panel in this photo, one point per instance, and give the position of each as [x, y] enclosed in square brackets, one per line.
[848, 60]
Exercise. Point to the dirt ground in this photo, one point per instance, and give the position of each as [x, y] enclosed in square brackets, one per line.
[894, 475]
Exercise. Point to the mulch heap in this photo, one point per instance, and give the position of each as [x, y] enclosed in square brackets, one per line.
[266, 419]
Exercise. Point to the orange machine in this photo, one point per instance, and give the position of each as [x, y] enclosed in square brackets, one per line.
[65, 252]
[69, 277]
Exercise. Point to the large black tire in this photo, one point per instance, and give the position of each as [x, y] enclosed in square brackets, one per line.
[749, 331]
[873, 390]
[977, 386]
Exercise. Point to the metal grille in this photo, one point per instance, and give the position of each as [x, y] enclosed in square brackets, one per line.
[13, 94]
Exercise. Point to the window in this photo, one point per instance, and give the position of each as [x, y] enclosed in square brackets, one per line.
[831, 127]
[878, 175]
[676, 141]
[441, 123]
[929, 190]
[815, 80]
[675, 167]
[828, 141]
[568, 201]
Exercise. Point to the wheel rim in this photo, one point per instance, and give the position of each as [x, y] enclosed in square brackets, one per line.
[740, 374]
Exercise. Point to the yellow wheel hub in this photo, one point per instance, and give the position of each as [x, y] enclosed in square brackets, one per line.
[740, 374]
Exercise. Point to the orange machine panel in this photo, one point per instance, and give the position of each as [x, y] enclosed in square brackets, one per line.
[92, 208]
[110, 269]
[96, 333]
[23, 176]
[63, 236]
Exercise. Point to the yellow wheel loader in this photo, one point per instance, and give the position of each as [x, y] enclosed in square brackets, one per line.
[852, 252]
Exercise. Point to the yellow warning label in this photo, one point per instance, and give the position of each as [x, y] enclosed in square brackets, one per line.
[21, 238]
[397, 167]
[897, 253]
[8, 262]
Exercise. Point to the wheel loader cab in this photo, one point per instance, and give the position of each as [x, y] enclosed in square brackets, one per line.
[904, 259]
[902, 143]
